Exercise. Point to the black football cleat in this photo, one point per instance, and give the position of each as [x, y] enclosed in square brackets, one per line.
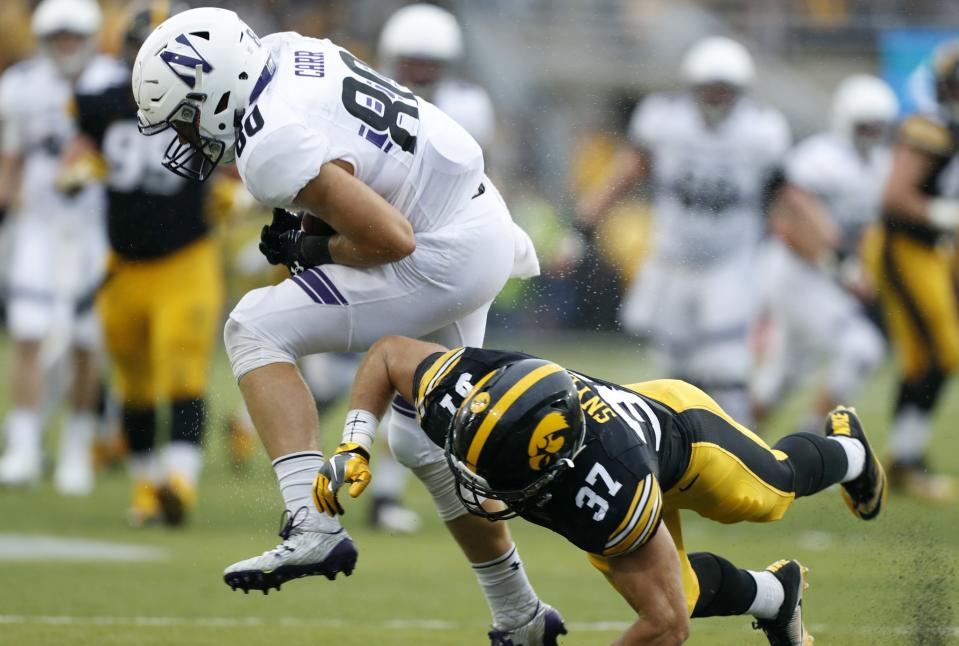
[788, 629]
[866, 494]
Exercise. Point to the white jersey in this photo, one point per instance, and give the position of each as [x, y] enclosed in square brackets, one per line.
[325, 104]
[850, 185]
[708, 182]
[35, 109]
[470, 106]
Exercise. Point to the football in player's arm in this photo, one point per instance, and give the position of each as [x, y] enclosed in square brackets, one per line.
[609, 467]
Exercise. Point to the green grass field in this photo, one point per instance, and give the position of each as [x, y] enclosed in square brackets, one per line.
[892, 581]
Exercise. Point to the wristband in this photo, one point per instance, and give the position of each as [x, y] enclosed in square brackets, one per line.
[313, 251]
[360, 428]
[943, 213]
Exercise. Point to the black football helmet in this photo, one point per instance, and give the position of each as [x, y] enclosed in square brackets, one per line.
[517, 431]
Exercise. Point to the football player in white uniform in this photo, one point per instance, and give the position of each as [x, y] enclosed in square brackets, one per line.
[415, 239]
[60, 241]
[831, 194]
[417, 47]
[709, 153]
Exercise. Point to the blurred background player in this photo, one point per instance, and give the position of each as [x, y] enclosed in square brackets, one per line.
[912, 259]
[812, 284]
[709, 154]
[419, 46]
[59, 244]
[162, 297]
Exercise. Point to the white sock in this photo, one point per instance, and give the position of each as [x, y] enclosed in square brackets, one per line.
[855, 456]
[909, 435]
[185, 459]
[769, 595]
[144, 467]
[511, 598]
[23, 431]
[295, 473]
[77, 433]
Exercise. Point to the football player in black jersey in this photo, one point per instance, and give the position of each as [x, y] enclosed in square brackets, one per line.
[160, 302]
[609, 467]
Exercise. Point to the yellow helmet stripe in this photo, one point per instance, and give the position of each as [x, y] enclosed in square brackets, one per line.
[496, 412]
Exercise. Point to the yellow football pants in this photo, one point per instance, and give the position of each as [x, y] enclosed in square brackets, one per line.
[918, 299]
[733, 476]
[159, 320]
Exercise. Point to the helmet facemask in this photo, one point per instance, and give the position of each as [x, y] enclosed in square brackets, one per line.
[190, 153]
[473, 489]
[716, 100]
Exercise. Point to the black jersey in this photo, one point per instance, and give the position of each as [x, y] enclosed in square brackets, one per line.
[151, 212]
[611, 501]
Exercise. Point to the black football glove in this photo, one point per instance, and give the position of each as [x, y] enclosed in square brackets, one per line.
[284, 220]
[282, 248]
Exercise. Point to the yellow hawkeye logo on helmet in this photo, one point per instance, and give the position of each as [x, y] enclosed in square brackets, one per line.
[543, 444]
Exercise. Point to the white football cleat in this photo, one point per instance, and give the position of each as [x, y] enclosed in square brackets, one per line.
[74, 474]
[396, 519]
[543, 629]
[302, 553]
[20, 466]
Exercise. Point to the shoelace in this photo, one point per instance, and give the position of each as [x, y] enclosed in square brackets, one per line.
[288, 523]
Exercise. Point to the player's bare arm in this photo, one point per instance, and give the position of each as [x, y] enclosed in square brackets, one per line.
[903, 197]
[649, 580]
[370, 231]
[630, 167]
[387, 368]
[10, 167]
[801, 220]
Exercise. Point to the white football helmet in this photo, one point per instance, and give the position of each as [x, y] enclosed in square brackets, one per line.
[80, 18]
[198, 72]
[421, 31]
[718, 70]
[863, 108]
[717, 59]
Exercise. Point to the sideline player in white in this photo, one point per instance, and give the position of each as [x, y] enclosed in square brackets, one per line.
[811, 271]
[709, 154]
[418, 242]
[60, 241]
[418, 46]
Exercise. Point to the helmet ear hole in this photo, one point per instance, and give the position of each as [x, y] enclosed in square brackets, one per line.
[224, 102]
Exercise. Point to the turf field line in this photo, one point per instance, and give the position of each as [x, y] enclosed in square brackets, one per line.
[412, 624]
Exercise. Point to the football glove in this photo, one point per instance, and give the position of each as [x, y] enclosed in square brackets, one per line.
[349, 464]
[282, 247]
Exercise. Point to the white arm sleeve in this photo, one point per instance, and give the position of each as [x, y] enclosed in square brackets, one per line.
[643, 125]
[283, 162]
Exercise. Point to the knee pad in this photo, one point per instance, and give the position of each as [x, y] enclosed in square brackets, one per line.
[439, 481]
[410, 444]
[248, 351]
